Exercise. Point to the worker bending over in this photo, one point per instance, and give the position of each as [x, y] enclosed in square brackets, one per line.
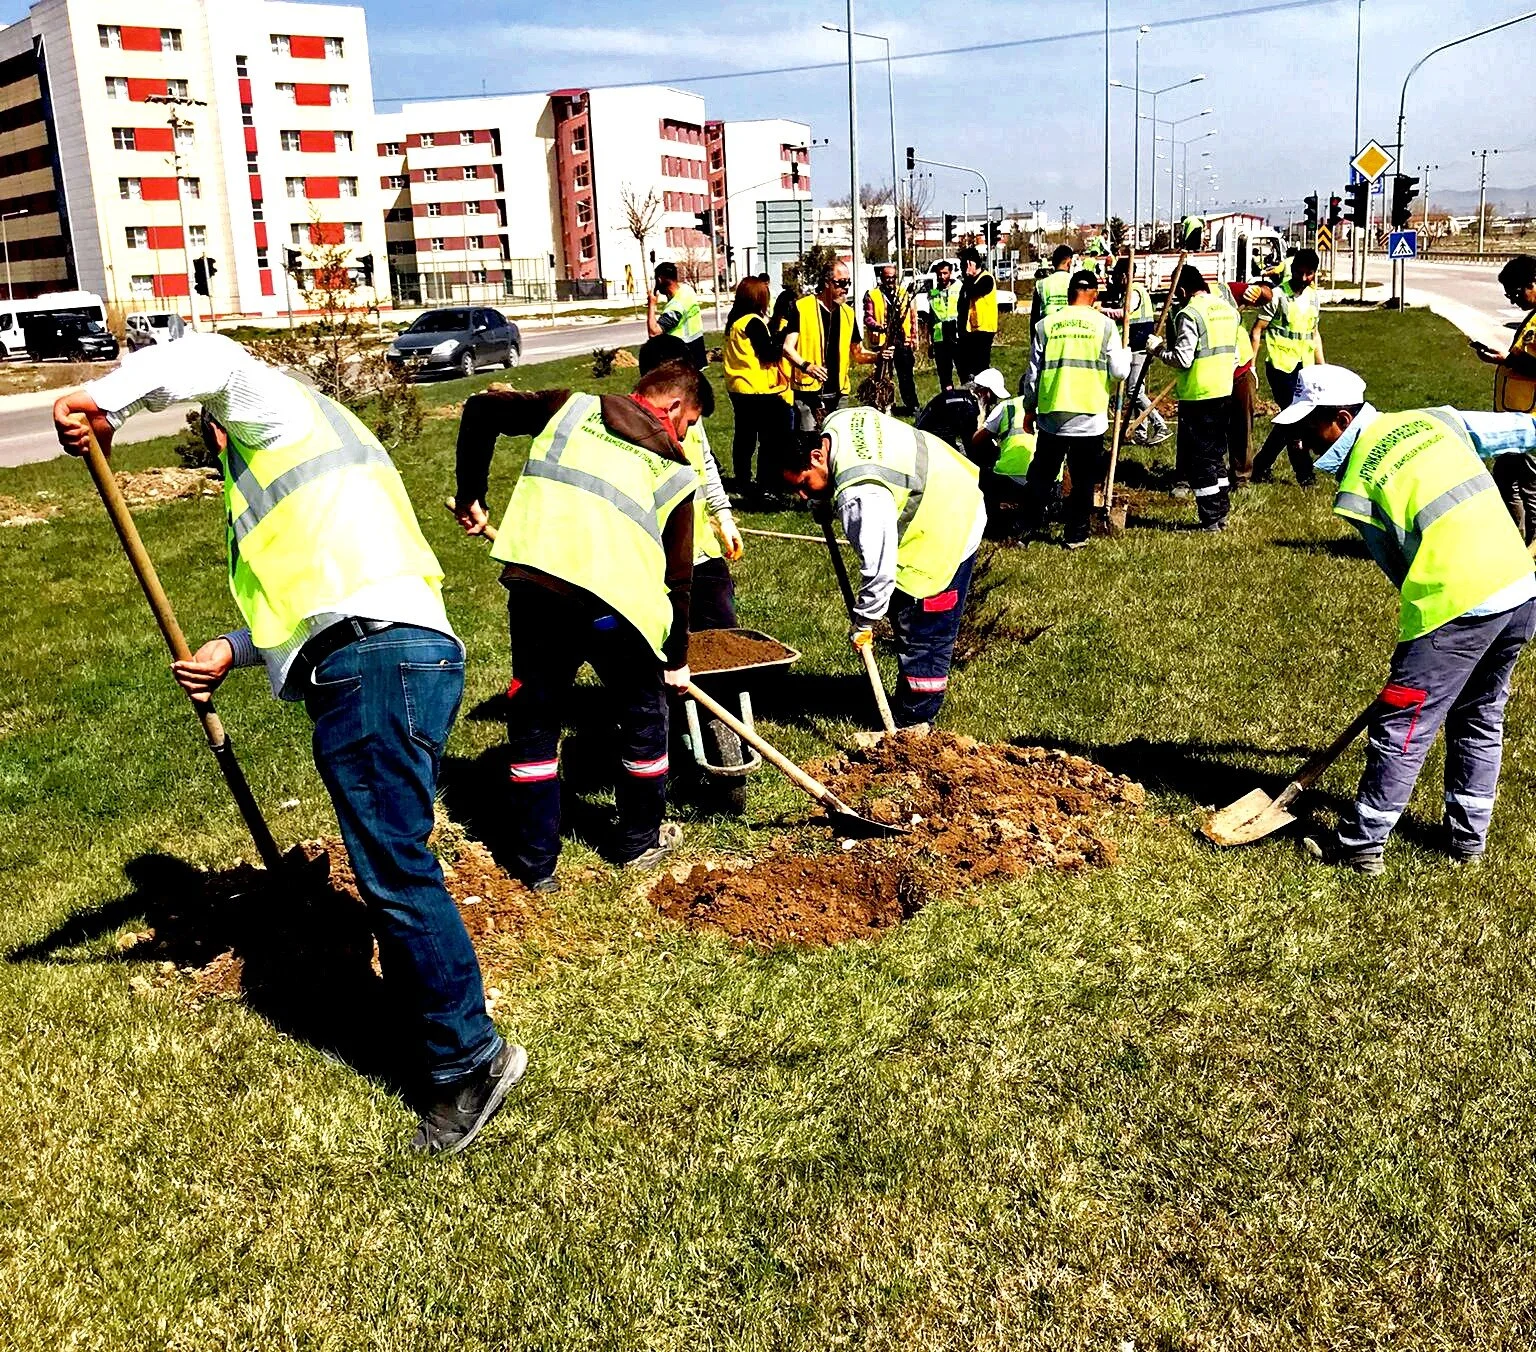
[343, 604]
[1415, 486]
[598, 545]
[682, 316]
[822, 344]
[978, 314]
[943, 322]
[1075, 358]
[1288, 325]
[889, 324]
[1514, 391]
[911, 508]
[956, 416]
[1204, 353]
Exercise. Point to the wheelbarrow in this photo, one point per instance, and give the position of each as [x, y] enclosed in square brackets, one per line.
[723, 760]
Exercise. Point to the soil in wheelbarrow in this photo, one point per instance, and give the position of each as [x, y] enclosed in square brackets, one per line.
[977, 813]
[726, 649]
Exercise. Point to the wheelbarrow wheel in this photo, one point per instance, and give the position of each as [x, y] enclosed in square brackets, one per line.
[729, 791]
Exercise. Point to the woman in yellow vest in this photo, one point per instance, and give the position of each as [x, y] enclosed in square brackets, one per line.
[758, 383]
[1514, 391]
[343, 602]
[1415, 487]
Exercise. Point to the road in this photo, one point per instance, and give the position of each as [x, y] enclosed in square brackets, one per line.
[1467, 294]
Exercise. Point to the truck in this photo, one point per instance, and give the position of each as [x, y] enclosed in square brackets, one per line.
[1239, 249]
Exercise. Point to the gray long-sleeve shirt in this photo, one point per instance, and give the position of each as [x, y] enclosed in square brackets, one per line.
[1063, 423]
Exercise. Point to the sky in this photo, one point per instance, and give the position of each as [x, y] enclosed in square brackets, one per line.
[1280, 84]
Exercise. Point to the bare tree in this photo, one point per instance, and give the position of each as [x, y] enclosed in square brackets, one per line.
[693, 259]
[640, 217]
[914, 201]
[871, 195]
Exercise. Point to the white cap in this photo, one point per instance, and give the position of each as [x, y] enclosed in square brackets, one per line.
[1322, 387]
[991, 380]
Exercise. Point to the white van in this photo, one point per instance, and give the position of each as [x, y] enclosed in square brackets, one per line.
[12, 312]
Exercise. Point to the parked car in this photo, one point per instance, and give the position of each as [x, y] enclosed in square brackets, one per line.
[70, 337]
[146, 328]
[457, 341]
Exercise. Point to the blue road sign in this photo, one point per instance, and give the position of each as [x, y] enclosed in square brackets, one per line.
[1403, 244]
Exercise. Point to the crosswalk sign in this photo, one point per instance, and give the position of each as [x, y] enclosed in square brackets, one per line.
[1403, 244]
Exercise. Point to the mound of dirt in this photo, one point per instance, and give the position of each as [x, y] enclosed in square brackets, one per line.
[169, 483]
[976, 813]
[726, 649]
[14, 512]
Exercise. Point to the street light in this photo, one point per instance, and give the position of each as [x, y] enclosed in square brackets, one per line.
[1205, 154]
[1172, 124]
[1179, 84]
[6, 246]
[890, 94]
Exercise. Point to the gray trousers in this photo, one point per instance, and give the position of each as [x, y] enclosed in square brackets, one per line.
[1457, 676]
[1154, 428]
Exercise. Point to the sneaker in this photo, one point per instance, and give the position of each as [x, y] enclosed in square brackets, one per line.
[545, 885]
[1158, 437]
[1328, 850]
[1181, 491]
[453, 1122]
[1467, 859]
[1075, 544]
[668, 838]
[1213, 527]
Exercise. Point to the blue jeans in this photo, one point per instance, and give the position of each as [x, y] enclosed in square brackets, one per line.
[382, 708]
[925, 631]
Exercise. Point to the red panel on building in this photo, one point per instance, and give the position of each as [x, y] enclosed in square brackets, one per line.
[261, 234]
[311, 48]
[454, 243]
[245, 91]
[154, 138]
[163, 236]
[483, 137]
[250, 140]
[141, 40]
[322, 187]
[312, 95]
[170, 284]
[139, 90]
[267, 289]
[317, 142]
[325, 232]
[158, 189]
[488, 208]
[256, 188]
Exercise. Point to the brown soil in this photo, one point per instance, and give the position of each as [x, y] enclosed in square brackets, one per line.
[14, 512]
[168, 483]
[726, 649]
[624, 358]
[977, 813]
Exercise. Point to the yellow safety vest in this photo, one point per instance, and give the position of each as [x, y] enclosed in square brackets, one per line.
[810, 344]
[706, 544]
[983, 316]
[935, 487]
[1074, 374]
[1210, 375]
[744, 373]
[1141, 305]
[1415, 480]
[942, 305]
[685, 304]
[1052, 289]
[1244, 347]
[1290, 341]
[310, 523]
[1516, 393]
[589, 509]
[1015, 446]
[877, 304]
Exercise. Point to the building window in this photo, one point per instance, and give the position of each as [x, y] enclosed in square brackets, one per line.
[170, 39]
[347, 187]
[287, 92]
[137, 236]
[197, 236]
[437, 245]
[122, 138]
[299, 234]
[473, 242]
[282, 44]
[583, 175]
[343, 140]
[586, 249]
[110, 35]
[579, 140]
[392, 148]
[478, 276]
[261, 258]
[130, 189]
[250, 161]
[289, 139]
[396, 181]
[428, 139]
[434, 208]
[584, 213]
[258, 212]
[176, 89]
[185, 137]
[241, 69]
[429, 175]
[191, 187]
[295, 187]
[466, 138]
[333, 47]
[117, 88]
[341, 94]
[247, 117]
[141, 284]
[352, 232]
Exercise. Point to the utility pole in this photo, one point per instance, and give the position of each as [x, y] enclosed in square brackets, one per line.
[1066, 220]
[1424, 170]
[1106, 119]
[177, 122]
[1482, 196]
[853, 160]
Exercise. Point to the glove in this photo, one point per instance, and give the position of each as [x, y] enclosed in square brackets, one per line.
[1154, 344]
[861, 637]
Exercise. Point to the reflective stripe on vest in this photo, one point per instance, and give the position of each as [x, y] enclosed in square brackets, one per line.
[590, 508]
[684, 303]
[1074, 373]
[943, 302]
[1291, 338]
[1210, 374]
[1053, 293]
[935, 489]
[1514, 393]
[809, 342]
[1415, 480]
[1016, 447]
[878, 304]
[983, 316]
[744, 370]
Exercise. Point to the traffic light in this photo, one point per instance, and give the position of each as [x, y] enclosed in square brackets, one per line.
[911, 158]
[730, 255]
[293, 260]
[365, 268]
[1359, 194]
[203, 269]
[706, 221]
[1335, 211]
[1405, 187]
[1312, 213]
[949, 229]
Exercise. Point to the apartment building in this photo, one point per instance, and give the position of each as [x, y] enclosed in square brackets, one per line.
[201, 130]
[763, 160]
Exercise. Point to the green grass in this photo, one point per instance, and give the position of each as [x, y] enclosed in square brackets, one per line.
[1199, 1100]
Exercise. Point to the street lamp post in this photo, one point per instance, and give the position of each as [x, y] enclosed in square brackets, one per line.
[1179, 84]
[890, 94]
[1173, 127]
[6, 246]
[853, 158]
[1184, 167]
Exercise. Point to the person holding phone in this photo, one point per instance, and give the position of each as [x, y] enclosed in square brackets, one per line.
[1514, 391]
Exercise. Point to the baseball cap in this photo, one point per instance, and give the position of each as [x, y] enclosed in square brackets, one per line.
[991, 380]
[1322, 387]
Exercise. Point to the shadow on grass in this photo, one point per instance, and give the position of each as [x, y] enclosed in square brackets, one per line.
[1340, 547]
[302, 955]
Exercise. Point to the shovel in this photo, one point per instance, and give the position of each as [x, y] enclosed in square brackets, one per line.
[213, 727]
[867, 651]
[1111, 519]
[1256, 815]
[844, 818]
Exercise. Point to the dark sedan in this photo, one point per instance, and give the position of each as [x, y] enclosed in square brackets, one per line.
[457, 341]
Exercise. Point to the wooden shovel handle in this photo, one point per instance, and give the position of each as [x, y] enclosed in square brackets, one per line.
[877, 684]
[871, 667]
[1312, 771]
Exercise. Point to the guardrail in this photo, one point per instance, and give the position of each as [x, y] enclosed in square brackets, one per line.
[1464, 256]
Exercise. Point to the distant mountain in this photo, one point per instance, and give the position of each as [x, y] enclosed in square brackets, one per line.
[1463, 201]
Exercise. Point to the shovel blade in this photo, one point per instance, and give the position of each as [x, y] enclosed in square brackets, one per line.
[1250, 818]
[847, 822]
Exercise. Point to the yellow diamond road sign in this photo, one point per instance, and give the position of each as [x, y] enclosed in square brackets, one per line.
[1372, 161]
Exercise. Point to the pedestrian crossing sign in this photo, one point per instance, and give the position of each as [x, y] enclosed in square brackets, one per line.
[1403, 244]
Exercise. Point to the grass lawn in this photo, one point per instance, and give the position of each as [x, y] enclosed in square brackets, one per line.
[1198, 1100]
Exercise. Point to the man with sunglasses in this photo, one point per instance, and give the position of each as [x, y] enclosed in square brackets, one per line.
[822, 343]
[1514, 391]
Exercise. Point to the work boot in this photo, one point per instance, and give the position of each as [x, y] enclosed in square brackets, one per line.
[455, 1120]
[668, 838]
[1329, 851]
